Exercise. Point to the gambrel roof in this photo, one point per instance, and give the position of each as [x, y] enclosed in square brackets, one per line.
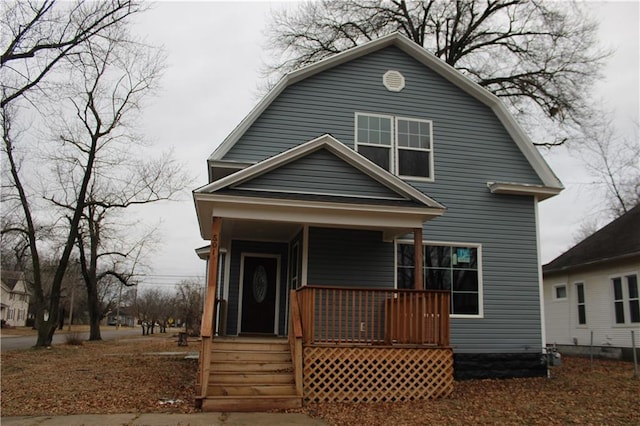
[618, 240]
[551, 184]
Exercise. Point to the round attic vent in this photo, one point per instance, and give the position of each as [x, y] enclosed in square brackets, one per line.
[393, 81]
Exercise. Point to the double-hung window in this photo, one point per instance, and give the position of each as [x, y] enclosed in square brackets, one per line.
[456, 268]
[581, 304]
[626, 301]
[401, 145]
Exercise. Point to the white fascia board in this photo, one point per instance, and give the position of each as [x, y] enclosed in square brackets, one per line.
[540, 191]
[310, 212]
[264, 166]
[339, 149]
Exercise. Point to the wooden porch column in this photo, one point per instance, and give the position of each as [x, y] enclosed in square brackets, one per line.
[212, 278]
[418, 280]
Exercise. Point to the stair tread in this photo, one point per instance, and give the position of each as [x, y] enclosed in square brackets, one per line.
[250, 373]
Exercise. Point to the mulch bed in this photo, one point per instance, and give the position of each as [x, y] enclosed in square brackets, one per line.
[122, 377]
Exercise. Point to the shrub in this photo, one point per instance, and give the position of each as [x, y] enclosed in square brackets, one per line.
[73, 339]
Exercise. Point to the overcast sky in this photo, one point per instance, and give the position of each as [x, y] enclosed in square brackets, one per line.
[215, 52]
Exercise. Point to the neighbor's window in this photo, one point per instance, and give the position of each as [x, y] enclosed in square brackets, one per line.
[559, 292]
[582, 309]
[400, 145]
[446, 267]
[626, 301]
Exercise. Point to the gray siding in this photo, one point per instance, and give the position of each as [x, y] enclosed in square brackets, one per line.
[350, 258]
[470, 148]
[505, 226]
[467, 135]
[320, 172]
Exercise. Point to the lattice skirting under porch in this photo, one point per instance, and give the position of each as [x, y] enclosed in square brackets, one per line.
[369, 374]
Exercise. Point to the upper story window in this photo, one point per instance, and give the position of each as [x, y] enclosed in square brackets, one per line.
[403, 146]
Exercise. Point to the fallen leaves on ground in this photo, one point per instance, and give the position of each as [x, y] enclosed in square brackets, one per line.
[122, 377]
[100, 377]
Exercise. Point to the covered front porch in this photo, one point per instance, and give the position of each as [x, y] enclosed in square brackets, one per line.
[317, 265]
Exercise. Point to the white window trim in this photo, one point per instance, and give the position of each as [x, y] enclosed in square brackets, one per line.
[480, 313]
[625, 300]
[576, 304]
[430, 150]
[555, 293]
[393, 154]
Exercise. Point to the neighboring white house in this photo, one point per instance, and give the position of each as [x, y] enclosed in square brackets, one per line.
[593, 288]
[14, 298]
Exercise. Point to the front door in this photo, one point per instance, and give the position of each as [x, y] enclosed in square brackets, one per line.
[259, 285]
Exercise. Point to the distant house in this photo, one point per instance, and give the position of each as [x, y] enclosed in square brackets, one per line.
[378, 209]
[593, 288]
[14, 298]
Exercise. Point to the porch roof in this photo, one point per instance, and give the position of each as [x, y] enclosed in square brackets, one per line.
[385, 202]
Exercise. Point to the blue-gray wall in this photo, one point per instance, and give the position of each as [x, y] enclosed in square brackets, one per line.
[470, 147]
[349, 258]
[331, 175]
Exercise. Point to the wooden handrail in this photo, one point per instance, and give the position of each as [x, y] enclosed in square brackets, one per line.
[295, 340]
[349, 315]
[296, 319]
[205, 357]
[207, 326]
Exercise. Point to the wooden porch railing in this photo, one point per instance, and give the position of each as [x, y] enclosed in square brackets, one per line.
[335, 315]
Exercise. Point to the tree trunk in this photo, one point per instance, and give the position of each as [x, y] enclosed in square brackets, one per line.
[94, 312]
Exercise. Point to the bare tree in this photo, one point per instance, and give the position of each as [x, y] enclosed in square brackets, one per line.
[541, 58]
[154, 307]
[117, 74]
[36, 40]
[189, 304]
[37, 36]
[614, 162]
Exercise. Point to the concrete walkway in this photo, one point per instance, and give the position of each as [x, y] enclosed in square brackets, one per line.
[154, 419]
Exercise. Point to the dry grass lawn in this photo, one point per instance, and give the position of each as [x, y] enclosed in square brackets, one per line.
[122, 377]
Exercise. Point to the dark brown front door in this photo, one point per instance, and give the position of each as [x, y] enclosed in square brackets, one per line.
[259, 294]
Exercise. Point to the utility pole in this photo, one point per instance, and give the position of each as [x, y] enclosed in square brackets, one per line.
[118, 308]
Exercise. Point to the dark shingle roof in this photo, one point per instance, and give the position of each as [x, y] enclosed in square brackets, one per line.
[617, 240]
[11, 278]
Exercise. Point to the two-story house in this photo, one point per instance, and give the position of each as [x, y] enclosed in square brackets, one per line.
[378, 209]
[14, 299]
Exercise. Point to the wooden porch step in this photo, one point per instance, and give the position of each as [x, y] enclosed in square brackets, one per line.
[253, 366]
[253, 403]
[264, 378]
[250, 374]
[228, 355]
[252, 390]
[250, 344]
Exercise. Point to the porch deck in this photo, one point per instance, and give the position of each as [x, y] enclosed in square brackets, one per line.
[357, 345]
[370, 345]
